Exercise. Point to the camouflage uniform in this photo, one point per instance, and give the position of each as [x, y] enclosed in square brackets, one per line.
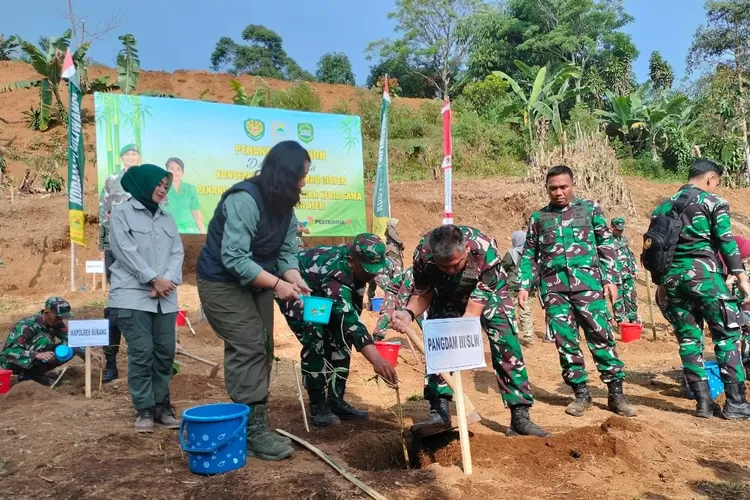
[112, 195]
[326, 349]
[571, 249]
[626, 305]
[696, 290]
[32, 336]
[483, 280]
[394, 251]
[397, 290]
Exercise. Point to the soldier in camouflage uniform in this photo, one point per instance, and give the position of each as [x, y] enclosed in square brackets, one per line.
[340, 273]
[301, 230]
[397, 290]
[394, 251]
[511, 263]
[29, 350]
[696, 291]
[570, 247]
[457, 273]
[111, 196]
[626, 305]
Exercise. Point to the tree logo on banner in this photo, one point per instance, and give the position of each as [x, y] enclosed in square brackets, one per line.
[305, 132]
[255, 129]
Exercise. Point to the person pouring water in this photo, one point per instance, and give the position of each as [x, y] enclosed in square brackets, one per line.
[249, 256]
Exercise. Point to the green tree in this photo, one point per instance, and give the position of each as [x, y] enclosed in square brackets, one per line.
[335, 68]
[553, 32]
[725, 40]
[410, 82]
[48, 64]
[8, 47]
[434, 34]
[660, 71]
[263, 55]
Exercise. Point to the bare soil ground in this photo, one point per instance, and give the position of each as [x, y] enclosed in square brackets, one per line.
[57, 444]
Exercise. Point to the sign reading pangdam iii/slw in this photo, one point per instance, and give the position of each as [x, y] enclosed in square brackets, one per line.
[208, 147]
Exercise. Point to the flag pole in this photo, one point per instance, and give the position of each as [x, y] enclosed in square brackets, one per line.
[72, 267]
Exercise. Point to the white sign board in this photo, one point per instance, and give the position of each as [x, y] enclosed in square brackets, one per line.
[95, 266]
[453, 344]
[88, 333]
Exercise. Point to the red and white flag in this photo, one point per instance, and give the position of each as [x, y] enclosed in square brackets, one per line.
[447, 162]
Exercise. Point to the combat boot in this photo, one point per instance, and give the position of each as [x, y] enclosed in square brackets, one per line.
[439, 413]
[704, 403]
[582, 402]
[110, 372]
[281, 439]
[617, 402]
[736, 407]
[320, 413]
[165, 415]
[260, 441]
[144, 420]
[521, 424]
[345, 411]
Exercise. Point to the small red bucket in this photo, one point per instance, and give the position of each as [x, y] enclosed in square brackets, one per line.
[181, 317]
[389, 351]
[630, 331]
[5, 381]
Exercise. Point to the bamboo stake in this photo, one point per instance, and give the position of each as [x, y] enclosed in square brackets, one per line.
[650, 303]
[411, 348]
[59, 377]
[373, 494]
[463, 430]
[88, 372]
[401, 426]
[299, 393]
[101, 377]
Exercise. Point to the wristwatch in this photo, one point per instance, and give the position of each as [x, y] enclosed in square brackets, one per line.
[411, 313]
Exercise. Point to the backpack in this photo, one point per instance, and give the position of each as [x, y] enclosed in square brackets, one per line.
[660, 241]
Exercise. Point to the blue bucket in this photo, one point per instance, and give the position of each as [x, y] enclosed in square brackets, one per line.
[715, 385]
[377, 303]
[216, 437]
[63, 353]
[316, 309]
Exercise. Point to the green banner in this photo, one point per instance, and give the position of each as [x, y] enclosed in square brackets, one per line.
[208, 147]
[76, 159]
[381, 203]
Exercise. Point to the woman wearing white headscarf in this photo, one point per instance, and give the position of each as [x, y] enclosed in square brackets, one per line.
[511, 263]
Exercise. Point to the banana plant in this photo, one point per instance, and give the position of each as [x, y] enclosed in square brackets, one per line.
[542, 101]
[48, 63]
[128, 64]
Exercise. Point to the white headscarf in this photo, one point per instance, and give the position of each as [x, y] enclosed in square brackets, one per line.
[517, 241]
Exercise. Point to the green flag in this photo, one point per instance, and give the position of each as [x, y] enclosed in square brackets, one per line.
[381, 203]
[76, 159]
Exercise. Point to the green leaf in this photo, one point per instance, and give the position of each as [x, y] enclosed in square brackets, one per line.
[128, 64]
[538, 83]
[25, 84]
[513, 84]
[45, 104]
[543, 109]
[525, 69]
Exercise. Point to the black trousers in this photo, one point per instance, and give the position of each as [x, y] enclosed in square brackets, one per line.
[115, 336]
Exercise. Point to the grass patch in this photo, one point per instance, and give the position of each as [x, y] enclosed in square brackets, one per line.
[723, 491]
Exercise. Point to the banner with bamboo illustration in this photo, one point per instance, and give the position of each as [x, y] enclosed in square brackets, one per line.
[208, 147]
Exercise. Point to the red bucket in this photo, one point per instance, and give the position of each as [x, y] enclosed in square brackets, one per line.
[389, 351]
[181, 317]
[5, 381]
[630, 331]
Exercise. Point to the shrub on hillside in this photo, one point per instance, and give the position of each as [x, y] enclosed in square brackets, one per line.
[299, 96]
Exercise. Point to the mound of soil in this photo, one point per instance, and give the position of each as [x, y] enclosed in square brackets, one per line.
[28, 392]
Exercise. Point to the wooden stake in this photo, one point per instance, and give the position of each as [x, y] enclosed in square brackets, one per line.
[411, 348]
[299, 393]
[93, 284]
[373, 494]
[88, 372]
[401, 426]
[101, 377]
[463, 430]
[650, 303]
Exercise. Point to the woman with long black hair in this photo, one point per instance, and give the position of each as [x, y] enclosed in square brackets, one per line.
[249, 255]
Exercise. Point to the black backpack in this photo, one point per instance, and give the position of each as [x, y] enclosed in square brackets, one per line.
[660, 241]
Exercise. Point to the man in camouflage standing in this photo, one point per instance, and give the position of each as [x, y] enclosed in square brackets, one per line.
[29, 350]
[626, 305]
[397, 290]
[570, 247]
[394, 251]
[457, 273]
[111, 196]
[695, 289]
[339, 273]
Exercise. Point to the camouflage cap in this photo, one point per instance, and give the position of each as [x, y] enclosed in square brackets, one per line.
[59, 306]
[129, 147]
[370, 251]
[618, 223]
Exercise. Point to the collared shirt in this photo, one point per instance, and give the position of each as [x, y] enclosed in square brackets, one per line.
[144, 247]
[571, 249]
[242, 219]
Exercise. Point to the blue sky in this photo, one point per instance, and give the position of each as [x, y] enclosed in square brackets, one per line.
[181, 35]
